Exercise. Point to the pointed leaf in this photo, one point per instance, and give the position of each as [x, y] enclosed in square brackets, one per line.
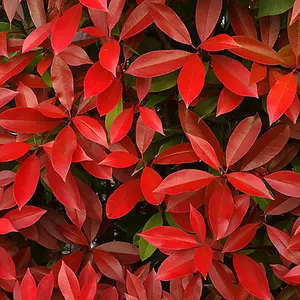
[28, 286]
[143, 135]
[203, 260]
[13, 151]
[109, 55]
[119, 159]
[198, 223]
[151, 119]
[7, 266]
[269, 29]
[45, 287]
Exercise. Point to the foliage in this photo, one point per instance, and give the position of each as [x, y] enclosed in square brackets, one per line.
[149, 149]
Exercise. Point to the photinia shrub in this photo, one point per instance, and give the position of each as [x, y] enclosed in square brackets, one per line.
[149, 149]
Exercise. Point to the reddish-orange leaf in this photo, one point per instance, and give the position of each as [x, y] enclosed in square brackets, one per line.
[249, 184]
[157, 63]
[251, 276]
[51, 111]
[109, 56]
[167, 20]
[203, 260]
[6, 226]
[97, 80]
[65, 28]
[242, 139]
[26, 180]
[121, 125]
[75, 56]
[228, 101]
[269, 29]
[150, 180]
[198, 223]
[63, 148]
[219, 42]
[191, 79]
[220, 210]
[281, 96]
[68, 283]
[6, 95]
[184, 181]
[13, 151]
[123, 199]
[293, 111]
[142, 87]
[7, 266]
[258, 73]
[28, 286]
[135, 286]
[44, 63]
[25, 97]
[234, 75]
[151, 119]
[143, 135]
[119, 159]
[95, 4]
[294, 39]
[207, 16]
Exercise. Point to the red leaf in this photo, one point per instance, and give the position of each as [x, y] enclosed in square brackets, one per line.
[153, 287]
[142, 87]
[119, 159]
[91, 129]
[110, 294]
[203, 259]
[13, 151]
[194, 288]
[269, 29]
[191, 79]
[293, 36]
[285, 182]
[109, 55]
[37, 12]
[251, 276]
[97, 80]
[44, 63]
[233, 75]
[121, 125]
[198, 224]
[101, 172]
[26, 97]
[167, 21]
[294, 243]
[241, 20]
[28, 287]
[137, 21]
[108, 265]
[66, 192]
[37, 36]
[167, 237]
[14, 66]
[178, 264]
[151, 119]
[45, 287]
[249, 184]
[26, 120]
[207, 16]
[63, 148]
[252, 49]
[51, 111]
[219, 42]
[6, 95]
[115, 9]
[25, 217]
[220, 210]
[266, 147]
[107, 100]
[6, 226]
[6, 177]
[242, 139]
[296, 12]
[10, 7]
[281, 241]
[157, 63]
[150, 180]
[3, 44]
[62, 80]
[74, 234]
[7, 266]
[228, 101]
[282, 204]
[293, 275]
[240, 238]
[95, 4]
[293, 111]
[144, 135]
[135, 286]
[26, 180]
[123, 199]
[68, 283]
[221, 280]
[75, 56]
[281, 96]
[258, 73]
[184, 181]
[65, 28]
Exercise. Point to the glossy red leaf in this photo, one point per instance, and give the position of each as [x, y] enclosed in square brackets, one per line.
[266, 147]
[203, 259]
[13, 151]
[115, 9]
[293, 36]
[184, 181]
[207, 16]
[37, 12]
[153, 287]
[220, 210]
[6, 226]
[294, 243]
[194, 288]
[28, 286]
[74, 234]
[25, 97]
[26, 180]
[44, 63]
[167, 237]
[293, 275]
[167, 20]
[101, 172]
[293, 111]
[151, 119]
[110, 294]
[198, 223]
[68, 283]
[3, 44]
[65, 28]
[6, 177]
[97, 80]
[143, 135]
[191, 79]
[75, 56]
[26, 120]
[258, 73]
[150, 180]
[119, 159]
[95, 4]
[251, 276]
[269, 29]
[234, 76]
[157, 63]
[109, 56]
[25, 217]
[6, 95]
[7, 266]
[228, 101]
[123, 199]
[45, 287]
[51, 111]
[219, 42]
[10, 7]
[108, 265]
[135, 286]
[63, 148]
[121, 125]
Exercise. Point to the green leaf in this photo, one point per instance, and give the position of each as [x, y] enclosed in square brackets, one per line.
[156, 99]
[206, 106]
[261, 202]
[171, 221]
[274, 7]
[296, 164]
[146, 249]
[163, 83]
[110, 117]
[47, 78]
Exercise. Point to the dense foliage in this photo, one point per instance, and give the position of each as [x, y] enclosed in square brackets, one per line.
[149, 148]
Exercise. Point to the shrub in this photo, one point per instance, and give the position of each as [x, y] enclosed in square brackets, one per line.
[148, 149]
